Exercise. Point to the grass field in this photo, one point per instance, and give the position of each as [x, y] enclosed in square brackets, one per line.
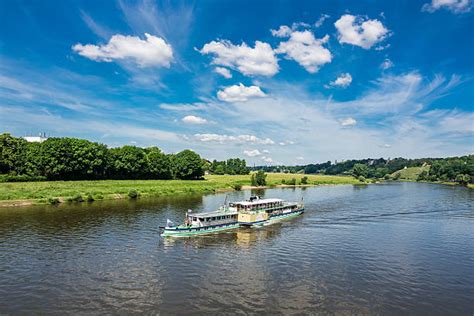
[411, 173]
[40, 192]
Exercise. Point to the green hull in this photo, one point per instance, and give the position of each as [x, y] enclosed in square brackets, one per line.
[193, 231]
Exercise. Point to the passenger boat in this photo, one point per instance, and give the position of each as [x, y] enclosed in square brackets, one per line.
[249, 213]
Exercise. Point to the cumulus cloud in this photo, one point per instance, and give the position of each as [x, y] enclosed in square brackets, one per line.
[348, 122]
[224, 72]
[342, 81]
[267, 159]
[260, 60]
[218, 138]
[455, 6]
[153, 51]
[239, 93]
[306, 50]
[358, 31]
[386, 64]
[191, 119]
[252, 153]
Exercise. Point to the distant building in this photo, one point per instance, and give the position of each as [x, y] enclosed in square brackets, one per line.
[36, 139]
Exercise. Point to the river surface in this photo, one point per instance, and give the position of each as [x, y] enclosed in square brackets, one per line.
[400, 248]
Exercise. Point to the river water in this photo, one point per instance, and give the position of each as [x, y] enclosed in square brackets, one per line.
[398, 248]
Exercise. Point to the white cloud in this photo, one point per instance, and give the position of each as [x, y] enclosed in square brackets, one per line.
[283, 31]
[348, 122]
[260, 60]
[267, 159]
[252, 153]
[286, 142]
[342, 81]
[184, 107]
[224, 72]
[235, 139]
[306, 50]
[239, 93]
[191, 119]
[455, 6]
[154, 51]
[299, 158]
[386, 64]
[321, 20]
[355, 30]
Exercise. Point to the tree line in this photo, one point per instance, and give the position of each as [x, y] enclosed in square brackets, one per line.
[78, 159]
[230, 166]
[452, 169]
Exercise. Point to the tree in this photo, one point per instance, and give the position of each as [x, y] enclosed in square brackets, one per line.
[304, 180]
[128, 162]
[360, 170]
[463, 179]
[188, 165]
[253, 180]
[423, 176]
[260, 178]
[12, 154]
[159, 164]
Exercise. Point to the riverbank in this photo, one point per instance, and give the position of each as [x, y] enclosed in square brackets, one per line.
[29, 193]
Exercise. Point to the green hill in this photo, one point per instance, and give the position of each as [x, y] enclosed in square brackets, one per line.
[411, 173]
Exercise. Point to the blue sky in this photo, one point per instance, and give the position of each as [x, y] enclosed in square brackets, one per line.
[269, 81]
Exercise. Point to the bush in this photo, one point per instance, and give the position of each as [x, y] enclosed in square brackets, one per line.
[304, 180]
[292, 181]
[53, 200]
[20, 178]
[75, 198]
[283, 181]
[387, 177]
[237, 187]
[133, 194]
[397, 176]
[361, 178]
[99, 197]
[261, 178]
[89, 198]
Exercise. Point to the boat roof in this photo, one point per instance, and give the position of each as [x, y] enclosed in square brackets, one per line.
[214, 213]
[259, 201]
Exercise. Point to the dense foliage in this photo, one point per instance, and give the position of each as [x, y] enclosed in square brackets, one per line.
[258, 179]
[78, 159]
[454, 169]
[231, 166]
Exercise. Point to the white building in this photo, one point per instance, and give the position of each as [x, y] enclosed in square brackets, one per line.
[36, 139]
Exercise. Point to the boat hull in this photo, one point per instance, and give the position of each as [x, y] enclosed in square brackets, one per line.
[193, 231]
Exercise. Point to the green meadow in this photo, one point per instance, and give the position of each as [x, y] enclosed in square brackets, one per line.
[47, 191]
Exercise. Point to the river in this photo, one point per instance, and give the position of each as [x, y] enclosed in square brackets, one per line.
[396, 248]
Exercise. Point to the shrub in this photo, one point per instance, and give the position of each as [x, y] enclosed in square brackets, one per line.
[304, 180]
[89, 198]
[77, 198]
[261, 178]
[20, 178]
[361, 178]
[283, 181]
[133, 194]
[387, 177]
[99, 197]
[53, 200]
[292, 181]
[237, 187]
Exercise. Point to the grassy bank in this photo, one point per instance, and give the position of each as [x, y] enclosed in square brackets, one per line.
[25, 193]
[411, 173]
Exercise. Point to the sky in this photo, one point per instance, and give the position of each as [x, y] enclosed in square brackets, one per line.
[274, 82]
